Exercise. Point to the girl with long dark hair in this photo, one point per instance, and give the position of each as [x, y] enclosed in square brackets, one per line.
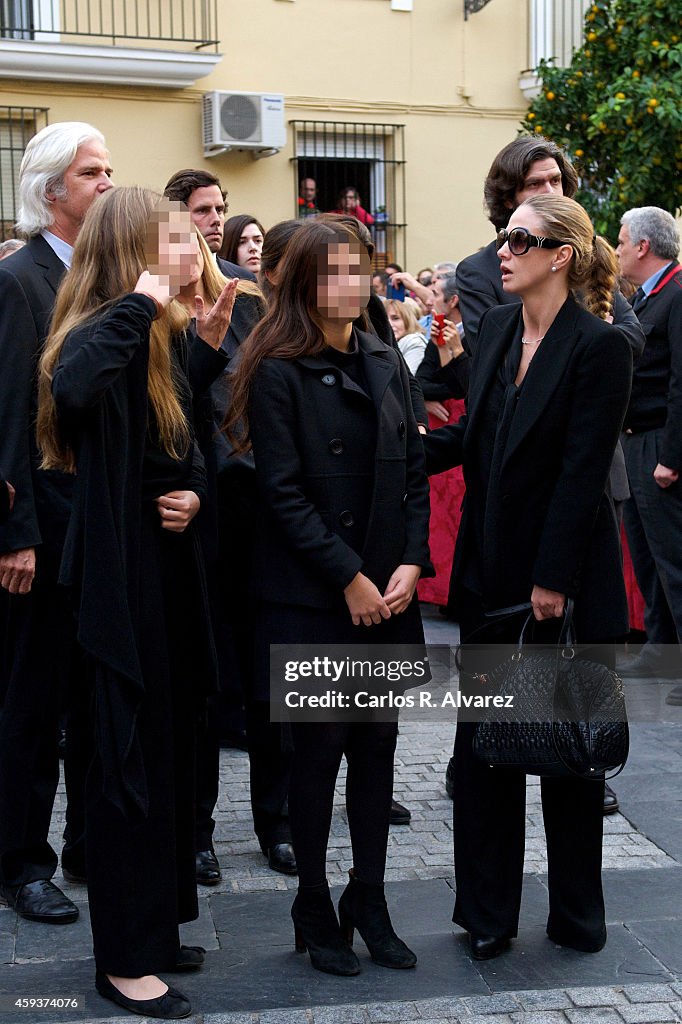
[341, 544]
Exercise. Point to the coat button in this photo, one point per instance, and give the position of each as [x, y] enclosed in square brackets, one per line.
[401, 429]
[329, 379]
[346, 517]
[336, 446]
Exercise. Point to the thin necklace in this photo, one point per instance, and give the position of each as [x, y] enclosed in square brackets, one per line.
[525, 341]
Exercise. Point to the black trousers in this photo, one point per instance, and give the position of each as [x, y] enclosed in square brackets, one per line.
[489, 833]
[653, 524]
[42, 671]
[318, 748]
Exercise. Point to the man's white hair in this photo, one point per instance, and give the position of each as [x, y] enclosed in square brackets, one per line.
[47, 156]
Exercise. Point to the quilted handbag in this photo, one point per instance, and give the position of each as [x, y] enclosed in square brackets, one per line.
[567, 716]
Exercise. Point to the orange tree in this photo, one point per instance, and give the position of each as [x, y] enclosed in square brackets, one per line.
[617, 110]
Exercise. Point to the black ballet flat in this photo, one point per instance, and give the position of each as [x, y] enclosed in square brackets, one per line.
[486, 947]
[189, 958]
[172, 1005]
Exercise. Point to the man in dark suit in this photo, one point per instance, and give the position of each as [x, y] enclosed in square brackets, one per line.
[528, 166]
[648, 249]
[204, 197]
[65, 168]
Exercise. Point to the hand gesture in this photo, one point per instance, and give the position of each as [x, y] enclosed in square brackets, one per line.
[212, 324]
[177, 509]
[401, 586]
[157, 288]
[364, 601]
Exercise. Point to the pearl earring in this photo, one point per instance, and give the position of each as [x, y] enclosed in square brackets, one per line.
[554, 270]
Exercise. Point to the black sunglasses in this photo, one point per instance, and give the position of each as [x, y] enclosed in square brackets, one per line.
[520, 241]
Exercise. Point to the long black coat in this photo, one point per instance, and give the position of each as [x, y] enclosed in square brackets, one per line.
[555, 525]
[307, 422]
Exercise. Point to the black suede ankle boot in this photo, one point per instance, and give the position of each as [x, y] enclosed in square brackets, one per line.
[363, 906]
[316, 929]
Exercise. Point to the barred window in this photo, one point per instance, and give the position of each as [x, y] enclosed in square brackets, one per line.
[368, 157]
[17, 126]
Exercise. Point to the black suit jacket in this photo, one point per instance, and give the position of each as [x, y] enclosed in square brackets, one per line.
[308, 423]
[657, 384]
[234, 270]
[29, 280]
[554, 525]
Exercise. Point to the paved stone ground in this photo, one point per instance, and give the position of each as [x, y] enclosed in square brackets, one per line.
[252, 974]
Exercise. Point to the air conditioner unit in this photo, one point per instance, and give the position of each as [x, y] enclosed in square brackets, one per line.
[243, 120]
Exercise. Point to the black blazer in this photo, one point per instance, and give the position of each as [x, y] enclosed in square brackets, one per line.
[439, 383]
[29, 280]
[4, 500]
[228, 270]
[555, 525]
[657, 384]
[307, 422]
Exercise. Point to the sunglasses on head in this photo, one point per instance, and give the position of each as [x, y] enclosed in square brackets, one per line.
[520, 241]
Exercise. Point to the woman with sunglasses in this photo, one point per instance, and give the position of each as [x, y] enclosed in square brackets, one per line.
[549, 387]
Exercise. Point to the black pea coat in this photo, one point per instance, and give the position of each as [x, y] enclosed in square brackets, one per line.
[553, 524]
[321, 526]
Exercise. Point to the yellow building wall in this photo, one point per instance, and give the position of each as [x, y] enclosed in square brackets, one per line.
[452, 83]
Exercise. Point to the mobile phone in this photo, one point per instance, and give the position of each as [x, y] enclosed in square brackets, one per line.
[439, 318]
[395, 292]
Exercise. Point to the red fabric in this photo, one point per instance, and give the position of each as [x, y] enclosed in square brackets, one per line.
[447, 493]
[362, 215]
[635, 599]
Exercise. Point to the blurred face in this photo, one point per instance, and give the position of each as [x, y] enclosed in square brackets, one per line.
[628, 257]
[87, 177]
[396, 322]
[342, 282]
[308, 190]
[378, 285]
[179, 258]
[207, 209]
[250, 248]
[349, 200]
[543, 178]
[532, 270]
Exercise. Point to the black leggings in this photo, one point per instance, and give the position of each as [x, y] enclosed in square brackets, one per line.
[318, 748]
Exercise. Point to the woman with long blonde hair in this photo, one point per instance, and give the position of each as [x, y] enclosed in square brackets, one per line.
[116, 408]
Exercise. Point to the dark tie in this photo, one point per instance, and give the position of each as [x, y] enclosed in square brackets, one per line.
[638, 299]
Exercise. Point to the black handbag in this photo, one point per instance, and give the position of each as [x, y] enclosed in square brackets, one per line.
[567, 716]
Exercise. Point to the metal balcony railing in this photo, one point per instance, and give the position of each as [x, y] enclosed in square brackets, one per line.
[181, 23]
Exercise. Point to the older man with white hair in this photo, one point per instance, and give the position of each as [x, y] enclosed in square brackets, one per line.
[648, 250]
[64, 169]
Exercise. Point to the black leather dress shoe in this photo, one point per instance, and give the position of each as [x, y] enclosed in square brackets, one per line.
[651, 665]
[485, 947]
[399, 815]
[281, 857]
[40, 901]
[208, 868]
[172, 1005]
[610, 800]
